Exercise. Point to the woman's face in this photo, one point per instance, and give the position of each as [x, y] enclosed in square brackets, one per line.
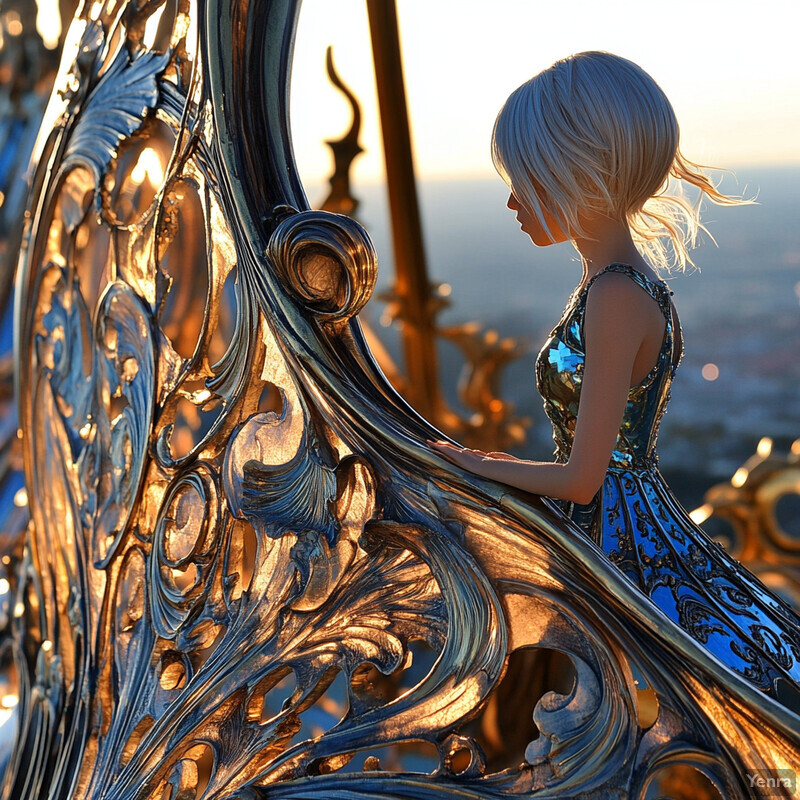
[530, 224]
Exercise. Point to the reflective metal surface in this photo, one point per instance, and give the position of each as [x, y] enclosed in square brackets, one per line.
[414, 302]
[755, 516]
[233, 511]
[27, 70]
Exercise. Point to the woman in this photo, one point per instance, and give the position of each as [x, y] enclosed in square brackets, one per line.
[588, 148]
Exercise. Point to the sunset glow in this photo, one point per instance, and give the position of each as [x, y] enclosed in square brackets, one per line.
[730, 73]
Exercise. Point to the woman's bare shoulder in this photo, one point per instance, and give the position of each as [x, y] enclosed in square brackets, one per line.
[617, 292]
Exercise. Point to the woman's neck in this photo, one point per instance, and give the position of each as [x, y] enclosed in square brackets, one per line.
[607, 241]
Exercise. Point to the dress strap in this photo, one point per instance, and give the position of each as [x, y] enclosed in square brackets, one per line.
[656, 289]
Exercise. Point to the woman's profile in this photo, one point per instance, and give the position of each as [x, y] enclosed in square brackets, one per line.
[588, 148]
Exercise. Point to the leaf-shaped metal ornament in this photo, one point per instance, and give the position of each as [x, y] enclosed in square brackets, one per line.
[116, 108]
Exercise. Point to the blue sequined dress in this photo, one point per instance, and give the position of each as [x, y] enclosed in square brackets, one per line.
[642, 528]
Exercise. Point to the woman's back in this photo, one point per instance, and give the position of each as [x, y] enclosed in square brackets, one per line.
[559, 370]
[642, 528]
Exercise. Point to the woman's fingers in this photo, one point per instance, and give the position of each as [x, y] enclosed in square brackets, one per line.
[448, 447]
[447, 450]
[462, 457]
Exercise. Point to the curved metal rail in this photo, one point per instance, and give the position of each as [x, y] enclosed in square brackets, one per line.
[232, 509]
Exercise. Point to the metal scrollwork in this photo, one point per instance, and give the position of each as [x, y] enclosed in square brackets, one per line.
[746, 516]
[327, 261]
[246, 574]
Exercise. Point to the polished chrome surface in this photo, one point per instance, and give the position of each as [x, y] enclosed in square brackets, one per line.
[232, 510]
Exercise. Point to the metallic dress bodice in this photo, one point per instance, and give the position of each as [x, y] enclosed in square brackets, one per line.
[559, 372]
[642, 528]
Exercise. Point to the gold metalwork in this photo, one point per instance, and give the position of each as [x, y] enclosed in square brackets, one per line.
[340, 199]
[231, 507]
[412, 288]
[744, 514]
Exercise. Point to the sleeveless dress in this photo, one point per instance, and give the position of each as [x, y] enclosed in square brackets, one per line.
[642, 528]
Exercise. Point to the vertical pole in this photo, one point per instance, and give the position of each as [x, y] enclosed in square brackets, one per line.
[412, 286]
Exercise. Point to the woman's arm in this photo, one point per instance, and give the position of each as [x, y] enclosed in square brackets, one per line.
[620, 320]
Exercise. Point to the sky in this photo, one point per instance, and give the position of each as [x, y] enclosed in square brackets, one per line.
[729, 67]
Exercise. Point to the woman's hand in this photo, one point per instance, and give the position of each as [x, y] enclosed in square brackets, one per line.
[462, 457]
[475, 461]
[502, 467]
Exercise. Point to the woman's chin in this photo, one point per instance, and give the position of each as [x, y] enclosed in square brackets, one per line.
[543, 240]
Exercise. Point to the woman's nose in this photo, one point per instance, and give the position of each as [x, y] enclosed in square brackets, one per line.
[512, 203]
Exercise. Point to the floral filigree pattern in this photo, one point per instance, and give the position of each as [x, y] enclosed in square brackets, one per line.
[240, 544]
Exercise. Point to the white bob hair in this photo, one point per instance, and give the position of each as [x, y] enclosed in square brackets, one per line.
[594, 132]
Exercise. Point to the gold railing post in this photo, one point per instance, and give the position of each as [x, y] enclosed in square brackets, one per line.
[412, 285]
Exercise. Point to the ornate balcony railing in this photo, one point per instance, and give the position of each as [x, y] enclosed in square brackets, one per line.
[232, 510]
